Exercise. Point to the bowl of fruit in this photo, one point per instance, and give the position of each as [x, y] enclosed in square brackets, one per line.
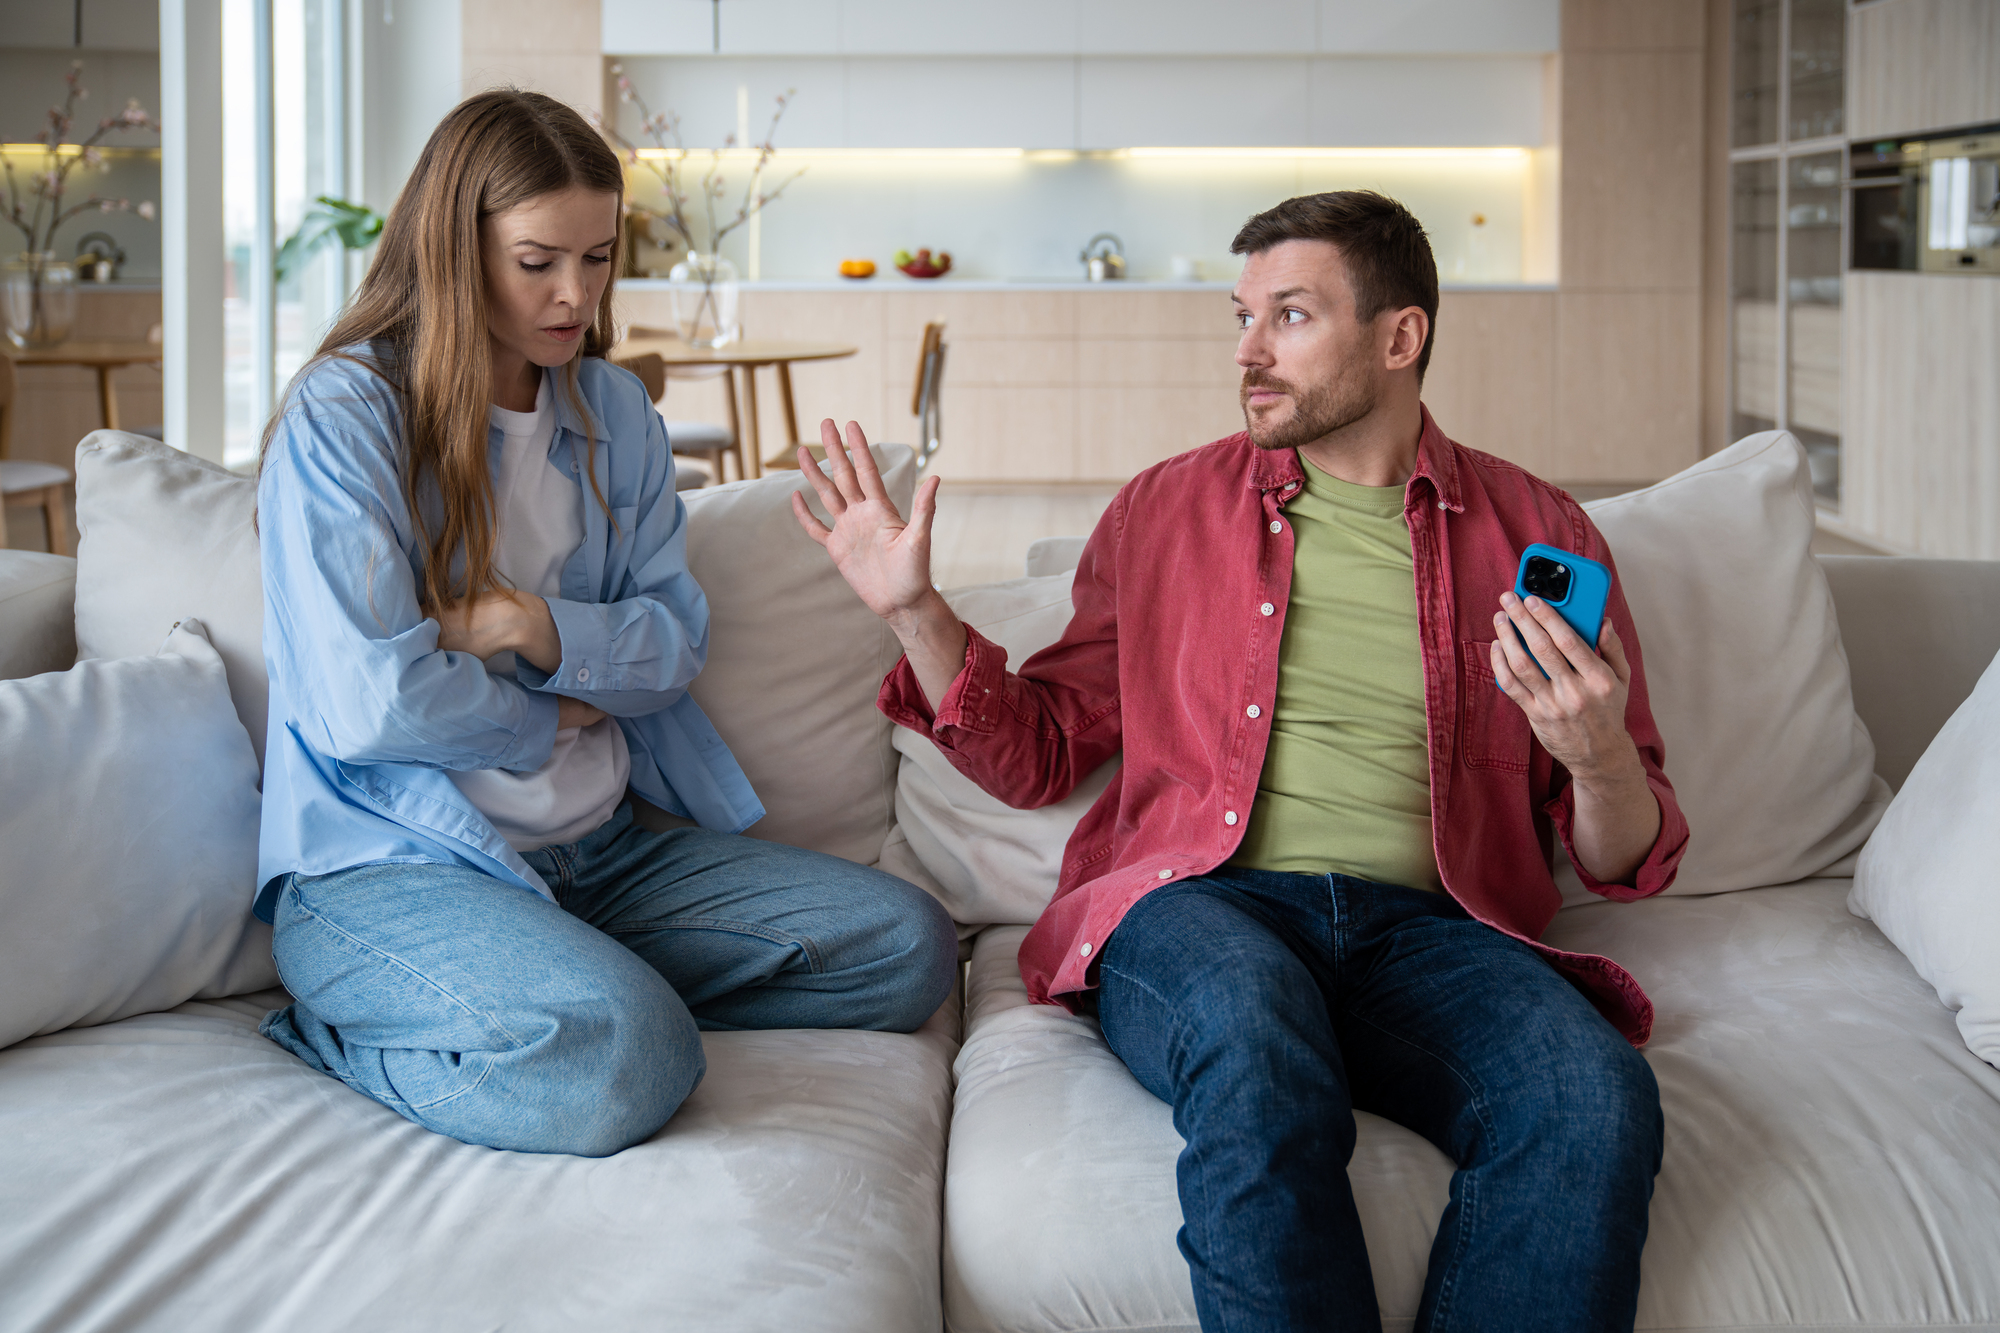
[922, 265]
[857, 268]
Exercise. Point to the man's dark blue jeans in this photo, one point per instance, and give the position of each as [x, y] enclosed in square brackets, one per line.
[1267, 1008]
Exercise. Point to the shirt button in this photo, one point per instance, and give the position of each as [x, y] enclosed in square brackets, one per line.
[1229, 817]
[1267, 608]
[582, 674]
[1443, 505]
[1276, 526]
[1166, 874]
[1086, 949]
[1254, 711]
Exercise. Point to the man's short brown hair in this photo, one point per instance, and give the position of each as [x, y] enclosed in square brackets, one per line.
[1389, 260]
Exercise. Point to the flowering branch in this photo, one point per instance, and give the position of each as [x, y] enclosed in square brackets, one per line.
[45, 213]
[666, 164]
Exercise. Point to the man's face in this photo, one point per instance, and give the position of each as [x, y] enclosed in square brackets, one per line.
[1309, 366]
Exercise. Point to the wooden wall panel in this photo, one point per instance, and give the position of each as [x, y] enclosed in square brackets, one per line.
[1922, 64]
[1628, 318]
[1628, 385]
[1921, 402]
[1491, 383]
[553, 49]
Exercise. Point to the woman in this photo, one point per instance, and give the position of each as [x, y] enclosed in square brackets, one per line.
[480, 628]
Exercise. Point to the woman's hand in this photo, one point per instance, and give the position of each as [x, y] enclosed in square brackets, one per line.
[501, 621]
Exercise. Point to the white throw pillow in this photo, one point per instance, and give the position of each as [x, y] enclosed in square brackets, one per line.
[128, 815]
[795, 662]
[1744, 667]
[1926, 877]
[992, 864]
[165, 536]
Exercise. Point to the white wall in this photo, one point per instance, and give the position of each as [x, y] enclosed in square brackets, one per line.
[409, 79]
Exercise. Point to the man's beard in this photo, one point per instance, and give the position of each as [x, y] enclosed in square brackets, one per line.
[1316, 413]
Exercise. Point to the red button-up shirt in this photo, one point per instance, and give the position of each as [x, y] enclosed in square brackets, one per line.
[1172, 655]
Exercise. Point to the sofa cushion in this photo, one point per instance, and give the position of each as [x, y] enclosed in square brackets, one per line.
[1744, 665]
[128, 815]
[1829, 1164]
[794, 657]
[178, 1171]
[1926, 877]
[37, 613]
[991, 863]
[794, 663]
[165, 536]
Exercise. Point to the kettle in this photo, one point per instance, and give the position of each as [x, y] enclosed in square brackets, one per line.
[1108, 263]
[98, 258]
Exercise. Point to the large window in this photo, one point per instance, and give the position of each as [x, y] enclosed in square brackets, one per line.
[1786, 219]
[285, 105]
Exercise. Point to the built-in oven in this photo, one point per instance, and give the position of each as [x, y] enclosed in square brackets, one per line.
[1929, 203]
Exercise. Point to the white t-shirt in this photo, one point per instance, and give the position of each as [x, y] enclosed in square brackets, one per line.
[540, 520]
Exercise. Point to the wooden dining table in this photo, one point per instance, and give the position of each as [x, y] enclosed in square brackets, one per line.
[105, 358]
[748, 355]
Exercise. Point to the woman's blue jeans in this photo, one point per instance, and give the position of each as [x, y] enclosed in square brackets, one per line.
[485, 1012]
[1267, 1008]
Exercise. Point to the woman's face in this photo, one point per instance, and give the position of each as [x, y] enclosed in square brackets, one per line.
[547, 261]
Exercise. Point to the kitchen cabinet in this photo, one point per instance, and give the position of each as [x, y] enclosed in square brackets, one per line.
[1079, 27]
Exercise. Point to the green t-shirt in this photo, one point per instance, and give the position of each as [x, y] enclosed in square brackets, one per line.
[1346, 781]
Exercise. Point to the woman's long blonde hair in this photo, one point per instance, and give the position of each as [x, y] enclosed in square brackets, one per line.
[425, 297]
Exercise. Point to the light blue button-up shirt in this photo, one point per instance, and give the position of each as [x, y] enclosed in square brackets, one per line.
[367, 712]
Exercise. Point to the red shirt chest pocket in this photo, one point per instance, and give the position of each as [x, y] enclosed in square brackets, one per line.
[1493, 732]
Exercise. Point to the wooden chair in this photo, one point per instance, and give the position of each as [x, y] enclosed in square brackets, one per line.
[692, 439]
[924, 400]
[28, 483]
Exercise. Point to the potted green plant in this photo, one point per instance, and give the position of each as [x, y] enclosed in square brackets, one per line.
[38, 289]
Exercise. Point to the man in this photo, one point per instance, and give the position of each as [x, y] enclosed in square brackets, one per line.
[1315, 882]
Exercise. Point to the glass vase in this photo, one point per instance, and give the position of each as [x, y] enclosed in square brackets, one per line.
[704, 293]
[37, 299]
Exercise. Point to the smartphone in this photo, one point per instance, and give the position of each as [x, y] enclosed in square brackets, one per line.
[1576, 586]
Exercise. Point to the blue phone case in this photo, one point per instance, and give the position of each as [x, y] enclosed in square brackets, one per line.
[1589, 590]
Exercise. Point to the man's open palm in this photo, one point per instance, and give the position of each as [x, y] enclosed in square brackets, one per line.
[886, 560]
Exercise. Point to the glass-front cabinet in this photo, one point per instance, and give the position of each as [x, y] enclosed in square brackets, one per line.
[1786, 218]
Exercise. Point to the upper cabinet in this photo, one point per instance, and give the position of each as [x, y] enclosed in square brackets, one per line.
[1079, 27]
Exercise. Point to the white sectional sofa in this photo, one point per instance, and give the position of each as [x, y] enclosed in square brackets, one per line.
[1833, 1146]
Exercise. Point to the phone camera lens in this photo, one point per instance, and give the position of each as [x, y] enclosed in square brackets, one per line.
[1546, 579]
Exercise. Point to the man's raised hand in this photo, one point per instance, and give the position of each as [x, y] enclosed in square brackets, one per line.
[886, 560]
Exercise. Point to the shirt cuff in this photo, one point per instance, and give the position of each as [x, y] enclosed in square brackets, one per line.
[586, 651]
[535, 742]
[1654, 874]
[971, 704]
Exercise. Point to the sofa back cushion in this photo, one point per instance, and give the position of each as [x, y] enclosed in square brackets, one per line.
[128, 810]
[165, 536]
[992, 864]
[1744, 664]
[794, 663]
[37, 613]
[794, 659]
